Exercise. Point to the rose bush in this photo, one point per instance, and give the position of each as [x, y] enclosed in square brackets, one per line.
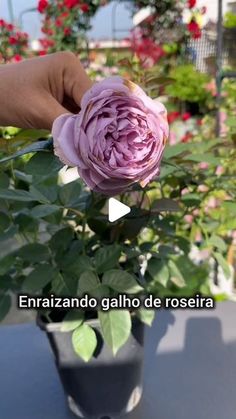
[14, 43]
[164, 33]
[65, 22]
[117, 139]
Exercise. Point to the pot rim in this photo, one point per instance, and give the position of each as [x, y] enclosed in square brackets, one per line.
[56, 326]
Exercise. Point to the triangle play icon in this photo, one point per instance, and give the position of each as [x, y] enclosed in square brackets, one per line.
[116, 210]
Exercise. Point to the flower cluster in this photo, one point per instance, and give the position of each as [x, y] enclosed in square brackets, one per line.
[173, 116]
[147, 50]
[193, 26]
[65, 22]
[13, 43]
[163, 32]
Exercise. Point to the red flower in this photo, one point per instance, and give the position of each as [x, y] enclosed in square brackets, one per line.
[186, 116]
[9, 27]
[18, 36]
[47, 43]
[191, 3]
[58, 23]
[25, 34]
[187, 137]
[17, 58]
[84, 7]
[194, 29]
[12, 40]
[64, 15]
[71, 3]
[42, 53]
[2, 23]
[172, 116]
[148, 51]
[67, 31]
[42, 5]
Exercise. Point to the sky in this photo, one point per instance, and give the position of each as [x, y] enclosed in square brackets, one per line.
[102, 22]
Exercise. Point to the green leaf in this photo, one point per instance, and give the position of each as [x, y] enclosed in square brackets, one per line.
[218, 242]
[175, 275]
[34, 134]
[34, 252]
[167, 170]
[69, 194]
[5, 222]
[5, 305]
[230, 206]
[26, 223]
[159, 81]
[16, 195]
[4, 181]
[165, 204]
[206, 158]
[146, 316]
[75, 263]
[159, 271]
[38, 278]
[23, 176]
[5, 282]
[64, 285]
[223, 263]
[107, 258]
[43, 164]
[42, 193]
[72, 320]
[6, 263]
[38, 146]
[116, 328]
[88, 281]
[61, 239]
[121, 281]
[191, 199]
[9, 233]
[100, 292]
[84, 342]
[175, 150]
[231, 122]
[43, 210]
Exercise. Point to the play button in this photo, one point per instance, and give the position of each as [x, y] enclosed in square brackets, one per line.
[116, 210]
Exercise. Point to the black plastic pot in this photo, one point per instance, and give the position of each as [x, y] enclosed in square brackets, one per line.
[106, 387]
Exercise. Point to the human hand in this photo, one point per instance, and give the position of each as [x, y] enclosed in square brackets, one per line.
[34, 92]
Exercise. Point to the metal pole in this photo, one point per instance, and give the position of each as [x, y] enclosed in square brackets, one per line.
[219, 49]
[21, 15]
[10, 10]
[114, 7]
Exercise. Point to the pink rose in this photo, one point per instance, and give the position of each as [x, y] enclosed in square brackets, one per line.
[203, 165]
[117, 139]
[219, 170]
[188, 218]
[203, 188]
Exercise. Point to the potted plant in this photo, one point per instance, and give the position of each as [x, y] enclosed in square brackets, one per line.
[98, 353]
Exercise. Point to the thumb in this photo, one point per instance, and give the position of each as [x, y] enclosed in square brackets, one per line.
[50, 110]
[76, 80]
